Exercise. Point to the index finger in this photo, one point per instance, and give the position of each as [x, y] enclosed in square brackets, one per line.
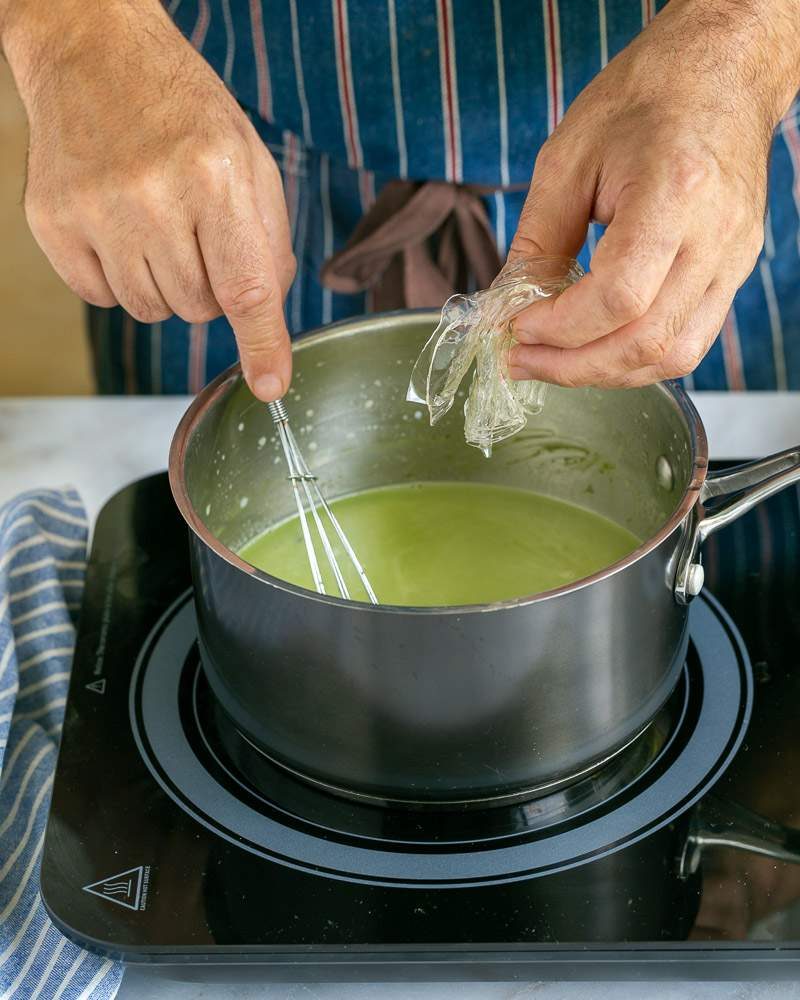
[628, 268]
[245, 282]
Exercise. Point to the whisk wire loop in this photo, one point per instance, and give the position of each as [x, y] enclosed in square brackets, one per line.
[304, 484]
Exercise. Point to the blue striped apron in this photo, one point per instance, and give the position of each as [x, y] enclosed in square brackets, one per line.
[349, 94]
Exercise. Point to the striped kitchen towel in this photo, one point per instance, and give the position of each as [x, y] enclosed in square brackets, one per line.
[42, 564]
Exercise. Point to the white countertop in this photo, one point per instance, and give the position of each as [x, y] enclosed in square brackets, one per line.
[100, 444]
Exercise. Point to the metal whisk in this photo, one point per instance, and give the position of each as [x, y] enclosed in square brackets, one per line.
[304, 484]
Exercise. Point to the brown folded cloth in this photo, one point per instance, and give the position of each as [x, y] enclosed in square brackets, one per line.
[417, 246]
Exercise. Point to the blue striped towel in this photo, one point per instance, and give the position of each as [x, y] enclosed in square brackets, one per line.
[42, 566]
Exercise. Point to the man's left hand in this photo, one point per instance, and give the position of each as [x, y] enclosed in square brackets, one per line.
[668, 147]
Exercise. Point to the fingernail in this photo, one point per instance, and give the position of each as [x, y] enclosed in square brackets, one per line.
[268, 388]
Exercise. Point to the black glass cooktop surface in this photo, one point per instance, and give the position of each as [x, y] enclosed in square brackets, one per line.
[172, 840]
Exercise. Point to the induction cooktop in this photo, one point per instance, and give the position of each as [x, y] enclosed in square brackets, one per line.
[173, 840]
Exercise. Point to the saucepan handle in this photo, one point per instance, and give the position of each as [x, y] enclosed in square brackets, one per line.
[723, 498]
[720, 823]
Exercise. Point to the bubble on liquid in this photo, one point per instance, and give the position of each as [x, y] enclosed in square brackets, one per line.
[208, 509]
[369, 404]
[312, 446]
[418, 414]
[378, 382]
[261, 442]
[240, 427]
[276, 460]
[297, 397]
[243, 502]
[320, 364]
[309, 413]
[664, 474]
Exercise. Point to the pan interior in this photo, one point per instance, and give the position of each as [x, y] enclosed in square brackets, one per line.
[624, 454]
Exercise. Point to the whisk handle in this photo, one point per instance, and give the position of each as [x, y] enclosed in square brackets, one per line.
[277, 411]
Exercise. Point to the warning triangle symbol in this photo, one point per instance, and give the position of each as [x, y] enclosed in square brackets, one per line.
[99, 686]
[124, 888]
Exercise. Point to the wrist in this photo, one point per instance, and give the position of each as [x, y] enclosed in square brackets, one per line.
[759, 48]
[41, 39]
[779, 65]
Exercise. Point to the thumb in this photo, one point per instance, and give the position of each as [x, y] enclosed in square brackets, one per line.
[557, 212]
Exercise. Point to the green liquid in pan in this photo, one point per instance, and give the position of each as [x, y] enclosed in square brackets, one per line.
[451, 543]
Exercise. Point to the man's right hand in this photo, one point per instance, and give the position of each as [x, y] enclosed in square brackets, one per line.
[147, 184]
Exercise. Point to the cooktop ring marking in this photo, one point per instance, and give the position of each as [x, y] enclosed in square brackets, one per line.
[168, 754]
[384, 843]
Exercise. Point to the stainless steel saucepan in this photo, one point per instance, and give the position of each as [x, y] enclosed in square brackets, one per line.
[448, 704]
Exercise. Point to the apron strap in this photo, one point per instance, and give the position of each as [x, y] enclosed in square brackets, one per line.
[417, 246]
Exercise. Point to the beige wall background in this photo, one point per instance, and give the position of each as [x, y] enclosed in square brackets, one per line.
[43, 348]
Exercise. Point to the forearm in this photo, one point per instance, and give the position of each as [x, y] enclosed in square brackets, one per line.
[784, 42]
[745, 44]
[40, 37]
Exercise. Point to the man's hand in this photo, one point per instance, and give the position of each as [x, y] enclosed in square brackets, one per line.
[147, 185]
[669, 147]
